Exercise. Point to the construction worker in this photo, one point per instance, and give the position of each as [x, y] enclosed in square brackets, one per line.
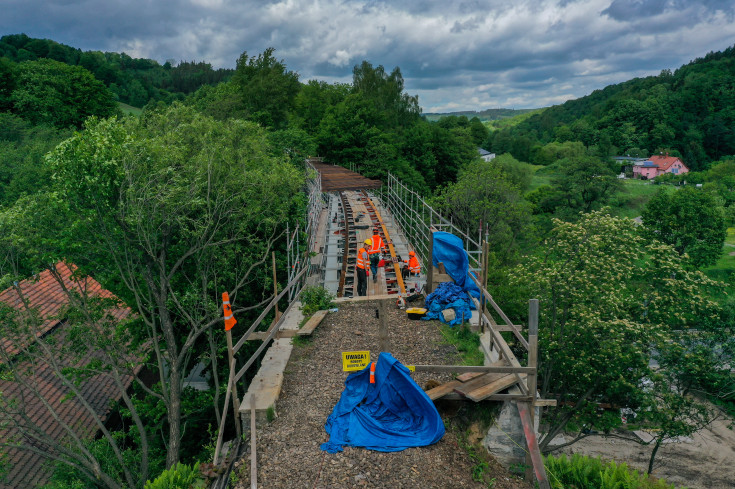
[363, 272]
[412, 267]
[374, 252]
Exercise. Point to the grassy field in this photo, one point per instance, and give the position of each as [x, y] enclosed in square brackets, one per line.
[629, 202]
[129, 109]
[724, 269]
[634, 196]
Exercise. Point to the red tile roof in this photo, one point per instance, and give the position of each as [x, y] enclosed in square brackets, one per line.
[665, 162]
[44, 294]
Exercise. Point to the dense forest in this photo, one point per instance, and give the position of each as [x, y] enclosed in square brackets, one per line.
[169, 208]
[134, 81]
[690, 112]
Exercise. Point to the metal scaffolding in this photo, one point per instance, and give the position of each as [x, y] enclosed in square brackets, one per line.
[417, 219]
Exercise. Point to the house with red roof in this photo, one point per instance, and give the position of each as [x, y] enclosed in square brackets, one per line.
[658, 165]
[34, 396]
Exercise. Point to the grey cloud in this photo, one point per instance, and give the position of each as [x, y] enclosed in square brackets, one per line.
[526, 53]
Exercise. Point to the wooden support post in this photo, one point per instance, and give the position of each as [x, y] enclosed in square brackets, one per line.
[483, 274]
[533, 345]
[383, 332]
[253, 454]
[233, 387]
[275, 286]
[221, 432]
[532, 377]
[429, 264]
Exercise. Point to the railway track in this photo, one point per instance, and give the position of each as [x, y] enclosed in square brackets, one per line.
[359, 217]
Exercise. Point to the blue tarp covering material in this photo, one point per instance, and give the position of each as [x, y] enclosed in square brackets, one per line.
[449, 250]
[390, 415]
[449, 295]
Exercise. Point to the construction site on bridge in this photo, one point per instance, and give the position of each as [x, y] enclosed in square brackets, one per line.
[302, 368]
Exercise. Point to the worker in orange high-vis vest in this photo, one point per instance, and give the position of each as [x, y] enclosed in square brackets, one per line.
[374, 251]
[413, 268]
[363, 260]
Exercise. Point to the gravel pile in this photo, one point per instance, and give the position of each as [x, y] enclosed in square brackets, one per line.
[288, 448]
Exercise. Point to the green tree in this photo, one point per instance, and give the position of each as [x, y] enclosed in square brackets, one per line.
[50, 92]
[268, 89]
[487, 194]
[385, 92]
[690, 220]
[586, 183]
[610, 299]
[7, 84]
[169, 210]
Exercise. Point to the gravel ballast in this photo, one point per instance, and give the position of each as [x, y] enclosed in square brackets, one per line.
[288, 448]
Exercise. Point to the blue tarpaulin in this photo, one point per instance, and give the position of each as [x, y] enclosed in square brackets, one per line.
[390, 415]
[449, 295]
[449, 250]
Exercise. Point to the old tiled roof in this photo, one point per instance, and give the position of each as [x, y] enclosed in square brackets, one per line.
[45, 295]
[28, 469]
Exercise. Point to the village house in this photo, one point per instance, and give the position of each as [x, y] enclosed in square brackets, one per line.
[658, 165]
[37, 389]
[485, 155]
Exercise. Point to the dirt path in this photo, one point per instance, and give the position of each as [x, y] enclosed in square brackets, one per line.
[705, 461]
[288, 448]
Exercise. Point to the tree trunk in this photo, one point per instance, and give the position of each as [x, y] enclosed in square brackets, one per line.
[174, 416]
[659, 440]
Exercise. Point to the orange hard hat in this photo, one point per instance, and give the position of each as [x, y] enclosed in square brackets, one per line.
[411, 253]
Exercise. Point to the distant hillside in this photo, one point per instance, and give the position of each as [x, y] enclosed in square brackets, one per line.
[133, 81]
[690, 112]
[484, 115]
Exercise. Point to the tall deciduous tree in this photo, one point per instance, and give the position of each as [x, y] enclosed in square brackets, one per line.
[690, 220]
[488, 194]
[167, 211]
[54, 93]
[268, 89]
[609, 298]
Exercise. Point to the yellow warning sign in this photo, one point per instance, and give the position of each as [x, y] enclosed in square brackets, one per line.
[355, 360]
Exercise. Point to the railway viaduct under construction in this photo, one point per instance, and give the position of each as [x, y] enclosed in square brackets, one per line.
[344, 209]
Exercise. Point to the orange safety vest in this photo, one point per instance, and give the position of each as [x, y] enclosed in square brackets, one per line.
[361, 258]
[377, 245]
[413, 265]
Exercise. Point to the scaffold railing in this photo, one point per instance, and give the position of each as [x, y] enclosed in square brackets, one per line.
[417, 219]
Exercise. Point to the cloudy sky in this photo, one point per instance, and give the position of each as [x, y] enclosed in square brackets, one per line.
[456, 55]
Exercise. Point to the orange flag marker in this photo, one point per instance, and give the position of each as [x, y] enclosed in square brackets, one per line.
[230, 320]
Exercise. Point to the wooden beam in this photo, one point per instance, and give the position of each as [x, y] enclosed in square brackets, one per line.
[474, 368]
[273, 302]
[284, 333]
[253, 453]
[539, 470]
[500, 312]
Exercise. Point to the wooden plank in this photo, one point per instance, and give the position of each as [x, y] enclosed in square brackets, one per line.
[442, 390]
[544, 402]
[494, 387]
[469, 376]
[312, 323]
[478, 382]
